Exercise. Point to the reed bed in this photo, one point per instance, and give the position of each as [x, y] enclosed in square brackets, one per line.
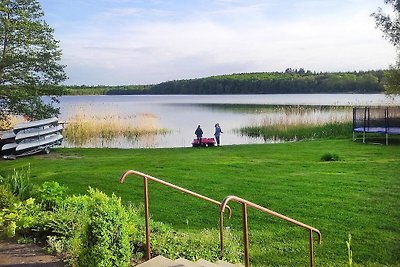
[302, 122]
[91, 128]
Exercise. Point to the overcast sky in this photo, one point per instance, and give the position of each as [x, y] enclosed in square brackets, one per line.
[121, 42]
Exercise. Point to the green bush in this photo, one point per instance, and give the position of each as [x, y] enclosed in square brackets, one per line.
[106, 240]
[20, 218]
[330, 157]
[97, 230]
[6, 198]
[49, 194]
[66, 228]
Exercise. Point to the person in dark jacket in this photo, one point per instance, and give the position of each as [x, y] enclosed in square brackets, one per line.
[218, 133]
[199, 134]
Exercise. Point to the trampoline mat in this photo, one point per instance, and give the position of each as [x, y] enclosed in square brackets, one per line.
[381, 130]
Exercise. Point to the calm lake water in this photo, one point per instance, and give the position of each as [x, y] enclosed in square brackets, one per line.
[181, 114]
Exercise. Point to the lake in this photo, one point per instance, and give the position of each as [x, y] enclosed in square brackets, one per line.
[179, 115]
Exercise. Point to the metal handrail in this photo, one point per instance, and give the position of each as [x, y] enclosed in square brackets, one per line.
[246, 203]
[146, 200]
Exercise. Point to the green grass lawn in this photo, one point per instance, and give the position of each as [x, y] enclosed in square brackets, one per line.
[357, 195]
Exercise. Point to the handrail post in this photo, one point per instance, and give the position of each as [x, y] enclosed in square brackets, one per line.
[147, 217]
[311, 249]
[181, 189]
[245, 235]
[246, 203]
[221, 233]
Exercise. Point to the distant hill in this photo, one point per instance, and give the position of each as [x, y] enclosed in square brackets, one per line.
[288, 82]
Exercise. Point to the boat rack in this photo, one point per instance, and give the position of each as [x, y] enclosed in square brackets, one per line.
[30, 138]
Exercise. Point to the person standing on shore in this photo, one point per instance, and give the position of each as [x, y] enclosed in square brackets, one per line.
[218, 133]
[199, 134]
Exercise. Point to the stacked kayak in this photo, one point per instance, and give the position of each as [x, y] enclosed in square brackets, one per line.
[31, 138]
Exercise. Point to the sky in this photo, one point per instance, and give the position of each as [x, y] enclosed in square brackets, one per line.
[127, 42]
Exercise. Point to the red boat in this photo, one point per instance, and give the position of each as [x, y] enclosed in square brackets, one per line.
[204, 142]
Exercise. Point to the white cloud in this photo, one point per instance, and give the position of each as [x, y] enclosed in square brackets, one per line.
[137, 45]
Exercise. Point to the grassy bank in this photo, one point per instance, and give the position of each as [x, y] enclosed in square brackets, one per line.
[359, 194]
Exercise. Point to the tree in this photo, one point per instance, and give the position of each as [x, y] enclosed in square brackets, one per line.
[29, 61]
[390, 26]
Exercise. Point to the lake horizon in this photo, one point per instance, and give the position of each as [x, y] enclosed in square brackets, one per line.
[180, 114]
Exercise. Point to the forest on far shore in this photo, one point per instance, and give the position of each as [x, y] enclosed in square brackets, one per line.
[292, 81]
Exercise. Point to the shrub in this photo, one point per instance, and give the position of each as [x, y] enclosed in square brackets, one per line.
[6, 198]
[330, 157]
[106, 242]
[20, 218]
[70, 216]
[49, 194]
[66, 227]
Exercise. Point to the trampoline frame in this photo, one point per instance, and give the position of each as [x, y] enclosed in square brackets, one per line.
[386, 124]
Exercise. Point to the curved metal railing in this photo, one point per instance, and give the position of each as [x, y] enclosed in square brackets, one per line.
[246, 203]
[146, 200]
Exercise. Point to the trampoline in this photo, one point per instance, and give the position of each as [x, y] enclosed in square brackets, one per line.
[376, 120]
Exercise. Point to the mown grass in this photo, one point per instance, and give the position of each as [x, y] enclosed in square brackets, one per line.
[357, 195]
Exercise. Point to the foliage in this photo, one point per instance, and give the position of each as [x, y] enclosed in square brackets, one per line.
[20, 218]
[29, 57]
[6, 197]
[106, 241]
[390, 26]
[50, 194]
[203, 245]
[392, 77]
[18, 183]
[298, 132]
[66, 226]
[253, 83]
[97, 230]
[105, 90]
[330, 157]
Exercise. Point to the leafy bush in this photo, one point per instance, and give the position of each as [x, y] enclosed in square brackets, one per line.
[6, 198]
[106, 242]
[330, 157]
[66, 228]
[20, 218]
[49, 194]
[97, 230]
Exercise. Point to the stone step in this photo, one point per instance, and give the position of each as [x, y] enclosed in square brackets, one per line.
[161, 261]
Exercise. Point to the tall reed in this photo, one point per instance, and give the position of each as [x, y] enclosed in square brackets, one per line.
[301, 123]
[85, 127]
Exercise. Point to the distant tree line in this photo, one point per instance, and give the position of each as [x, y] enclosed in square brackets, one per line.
[105, 89]
[292, 81]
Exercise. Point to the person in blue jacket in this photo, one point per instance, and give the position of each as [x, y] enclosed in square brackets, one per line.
[218, 133]
[199, 134]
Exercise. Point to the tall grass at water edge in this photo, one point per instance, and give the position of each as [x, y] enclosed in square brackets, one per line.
[298, 132]
[88, 127]
[302, 123]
